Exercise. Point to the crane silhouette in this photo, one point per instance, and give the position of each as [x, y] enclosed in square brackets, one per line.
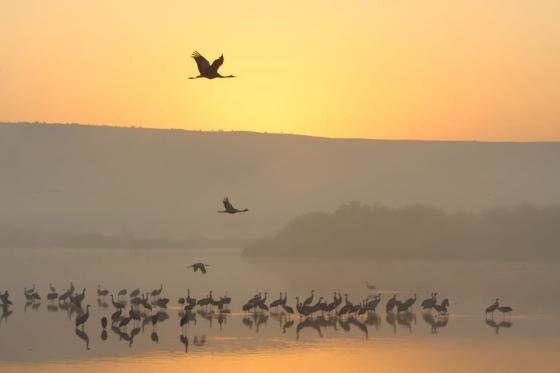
[206, 70]
[441, 309]
[229, 209]
[277, 302]
[4, 297]
[199, 266]
[391, 303]
[505, 309]
[429, 302]
[117, 304]
[308, 301]
[155, 293]
[492, 308]
[81, 320]
[405, 306]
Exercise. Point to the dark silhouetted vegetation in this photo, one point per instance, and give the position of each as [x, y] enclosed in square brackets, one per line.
[418, 232]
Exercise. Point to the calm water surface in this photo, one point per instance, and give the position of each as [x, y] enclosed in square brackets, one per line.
[42, 337]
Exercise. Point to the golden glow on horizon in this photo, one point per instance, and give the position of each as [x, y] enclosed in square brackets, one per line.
[487, 70]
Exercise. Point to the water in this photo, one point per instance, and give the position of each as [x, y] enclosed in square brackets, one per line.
[43, 338]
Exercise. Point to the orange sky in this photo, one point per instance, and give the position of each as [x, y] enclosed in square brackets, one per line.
[416, 69]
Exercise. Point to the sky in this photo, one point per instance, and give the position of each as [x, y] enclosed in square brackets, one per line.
[484, 70]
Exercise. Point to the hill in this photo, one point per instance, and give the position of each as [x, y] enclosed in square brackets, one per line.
[74, 180]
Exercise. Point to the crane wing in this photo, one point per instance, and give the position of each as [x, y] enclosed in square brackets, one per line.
[217, 63]
[201, 62]
[227, 205]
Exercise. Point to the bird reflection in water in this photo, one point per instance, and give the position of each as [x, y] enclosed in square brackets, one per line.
[255, 319]
[206, 315]
[185, 341]
[122, 335]
[248, 322]
[6, 312]
[162, 316]
[52, 308]
[435, 322]
[186, 317]
[83, 336]
[498, 325]
[373, 319]
[220, 316]
[154, 337]
[391, 319]
[278, 316]
[288, 324]
[101, 303]
[222, 319]
[70, 309]
[405, 319]
[134, 332]
[127, 338]
[327, 322]
[360, 325]
[199, 341]
[116, 330]
[346, 325]
[308, 323]
[146, 319]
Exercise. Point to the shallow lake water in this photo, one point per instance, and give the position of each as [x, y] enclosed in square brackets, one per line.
[41, 337]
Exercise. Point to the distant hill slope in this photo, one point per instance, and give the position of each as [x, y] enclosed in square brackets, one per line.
[418, 232]
[78, 179]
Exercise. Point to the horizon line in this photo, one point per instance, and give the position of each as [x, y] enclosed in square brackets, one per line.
[138, 127]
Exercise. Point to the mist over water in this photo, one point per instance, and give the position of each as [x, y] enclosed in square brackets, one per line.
[27, 333]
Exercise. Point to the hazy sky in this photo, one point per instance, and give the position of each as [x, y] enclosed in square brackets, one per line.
[426, 69]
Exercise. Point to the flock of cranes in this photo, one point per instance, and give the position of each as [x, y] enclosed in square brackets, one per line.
[340, 308]
[308, 307]
[137, 309]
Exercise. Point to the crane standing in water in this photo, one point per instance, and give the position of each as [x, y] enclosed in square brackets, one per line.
[429, 302]
[505, 309]
[5, 298]
[308, 301]
[491, 308]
